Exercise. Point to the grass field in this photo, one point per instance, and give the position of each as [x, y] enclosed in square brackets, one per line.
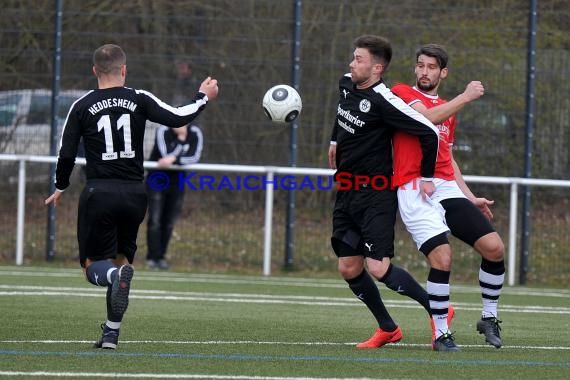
[201, 326]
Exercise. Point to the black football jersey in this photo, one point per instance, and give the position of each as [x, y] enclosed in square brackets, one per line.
[112, 124]
[365, 123]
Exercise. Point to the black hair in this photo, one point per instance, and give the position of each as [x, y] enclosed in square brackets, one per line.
[379, 47]
[435, 51]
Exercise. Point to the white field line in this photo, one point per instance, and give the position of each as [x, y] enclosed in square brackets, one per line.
[25, 290]
[267, 343]
[28, 290]
[252, 280]
[162, 376]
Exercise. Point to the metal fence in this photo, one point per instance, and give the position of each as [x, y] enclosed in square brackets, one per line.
[269, 180]
[250, 45]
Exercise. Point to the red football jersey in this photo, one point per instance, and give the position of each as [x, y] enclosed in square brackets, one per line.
[407, 150]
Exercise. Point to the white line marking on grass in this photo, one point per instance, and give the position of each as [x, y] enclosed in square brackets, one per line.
[28, 290]
[165, 376]
[274, 343]
[170, 277]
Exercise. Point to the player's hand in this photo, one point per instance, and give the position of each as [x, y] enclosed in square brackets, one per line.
[332, 156]
[166, 161]
[427, 188]
[209, 87]
[474, 90]
[483, 205]
[54, 198]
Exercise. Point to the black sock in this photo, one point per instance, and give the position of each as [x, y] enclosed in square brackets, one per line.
[496, 268]
[110, 315]
[365, 289]
[403, 283]
[438, 292]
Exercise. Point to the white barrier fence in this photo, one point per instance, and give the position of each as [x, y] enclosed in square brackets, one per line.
[270, 172]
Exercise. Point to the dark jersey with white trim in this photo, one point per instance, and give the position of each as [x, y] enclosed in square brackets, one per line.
[112, 124]
[365, 123]
[186, 152]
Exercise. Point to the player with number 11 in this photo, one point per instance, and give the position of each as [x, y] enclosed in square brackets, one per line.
[111, 122]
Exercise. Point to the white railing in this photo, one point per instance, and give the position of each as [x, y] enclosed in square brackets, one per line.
[270, 172]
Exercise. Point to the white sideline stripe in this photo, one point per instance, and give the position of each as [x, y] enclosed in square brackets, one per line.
[166, 376]
[25, 290]
[193, 278]
[261, 343]
[251, 280]
[166, 293]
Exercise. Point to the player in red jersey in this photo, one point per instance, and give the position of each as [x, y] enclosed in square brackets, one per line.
[452, 207]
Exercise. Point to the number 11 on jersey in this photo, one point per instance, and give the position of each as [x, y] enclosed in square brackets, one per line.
[124, 124]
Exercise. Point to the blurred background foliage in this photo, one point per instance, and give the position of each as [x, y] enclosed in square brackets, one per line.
[247, 44]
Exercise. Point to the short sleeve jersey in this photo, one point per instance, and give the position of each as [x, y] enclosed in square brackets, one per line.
[407, 150]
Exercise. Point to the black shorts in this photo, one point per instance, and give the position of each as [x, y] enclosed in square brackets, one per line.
[110, 213]
[465, 221]
[363, 223]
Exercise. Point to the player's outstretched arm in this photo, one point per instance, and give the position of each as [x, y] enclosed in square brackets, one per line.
[209, 87]
[438, 114]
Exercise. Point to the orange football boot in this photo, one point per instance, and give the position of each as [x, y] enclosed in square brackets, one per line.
[381, 338]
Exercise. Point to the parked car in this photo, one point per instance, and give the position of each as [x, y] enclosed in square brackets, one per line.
[25, 119]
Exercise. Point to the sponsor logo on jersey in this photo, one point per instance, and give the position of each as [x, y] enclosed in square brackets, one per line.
[364, 105]
[350, 117]
[443, 129]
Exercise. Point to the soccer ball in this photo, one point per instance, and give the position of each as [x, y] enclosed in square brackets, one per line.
[282, 103]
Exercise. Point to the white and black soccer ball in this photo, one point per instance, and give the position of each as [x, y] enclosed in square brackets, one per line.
[282, 103]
